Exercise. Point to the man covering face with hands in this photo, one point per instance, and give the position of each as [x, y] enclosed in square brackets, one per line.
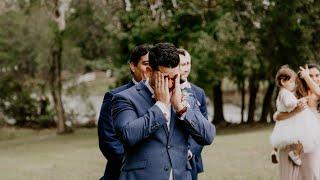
[154, 123]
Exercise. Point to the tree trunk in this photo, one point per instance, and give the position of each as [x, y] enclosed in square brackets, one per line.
[266, 107]
[56, 83]
[243, 99]
[59, 16]
[218, 116]
[272, 111]
[253, 90]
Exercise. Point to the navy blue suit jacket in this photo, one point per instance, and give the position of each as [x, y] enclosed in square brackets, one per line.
[109, 145]
[195, 148]
[151, 150]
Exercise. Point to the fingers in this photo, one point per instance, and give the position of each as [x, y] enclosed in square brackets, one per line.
[157, 82]
[302, 106]
[301, 68]
[161, 82]
[304, 69]
[144, 76]
[303, 100]
[177, 81]
[166, 85]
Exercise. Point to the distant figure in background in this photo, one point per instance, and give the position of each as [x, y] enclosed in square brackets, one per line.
[310, 167]
[194, 154]
[110, 146]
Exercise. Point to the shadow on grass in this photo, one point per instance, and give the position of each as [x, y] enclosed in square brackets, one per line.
[226, 129]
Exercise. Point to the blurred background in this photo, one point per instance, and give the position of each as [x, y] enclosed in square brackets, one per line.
[59, 57]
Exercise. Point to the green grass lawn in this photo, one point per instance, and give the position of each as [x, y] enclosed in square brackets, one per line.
[27, 154]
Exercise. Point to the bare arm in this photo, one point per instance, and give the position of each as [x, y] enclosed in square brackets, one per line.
[311, 84]
[280, 116]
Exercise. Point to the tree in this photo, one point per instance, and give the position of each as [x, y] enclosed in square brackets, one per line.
[58, 14]
[285, 38]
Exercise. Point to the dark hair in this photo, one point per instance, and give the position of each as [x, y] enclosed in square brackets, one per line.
[163, 54]
[310, 66]
[138, 52]
[284, 73]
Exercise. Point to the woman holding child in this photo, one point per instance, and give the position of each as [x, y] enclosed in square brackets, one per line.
[293, 165]
[297, 130]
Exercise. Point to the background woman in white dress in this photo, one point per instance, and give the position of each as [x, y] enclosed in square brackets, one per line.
[310, 168]
[302, 128]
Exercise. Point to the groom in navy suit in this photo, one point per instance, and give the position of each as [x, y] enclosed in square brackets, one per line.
[191, 89]
[155, 124]
[109, 144]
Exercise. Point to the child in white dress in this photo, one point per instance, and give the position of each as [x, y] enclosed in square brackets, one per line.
[299, 132]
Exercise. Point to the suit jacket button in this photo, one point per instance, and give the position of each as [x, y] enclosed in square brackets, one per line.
[168, 146]
[166, 168]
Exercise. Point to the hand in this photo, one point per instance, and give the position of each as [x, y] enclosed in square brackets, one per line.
[304, 72]
[304, 100]
[161, 89]
[301, 106]
[145, 75]
[275, 116]
[176, 99]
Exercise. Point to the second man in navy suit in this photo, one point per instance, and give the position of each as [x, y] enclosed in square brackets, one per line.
[109, 144]
[187, 89]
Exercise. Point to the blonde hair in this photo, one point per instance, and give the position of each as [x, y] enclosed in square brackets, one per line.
[284, 73]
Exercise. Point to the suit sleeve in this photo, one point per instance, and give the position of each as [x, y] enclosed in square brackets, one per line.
[195, 147]
[201, 130]
[203, 106]
[109, 144]
[130, 128]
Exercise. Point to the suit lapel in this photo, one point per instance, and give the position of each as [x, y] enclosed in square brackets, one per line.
[165, 127]
[172, 122]
[145, 92]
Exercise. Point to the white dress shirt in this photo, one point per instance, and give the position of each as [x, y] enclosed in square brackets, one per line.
[184, 85]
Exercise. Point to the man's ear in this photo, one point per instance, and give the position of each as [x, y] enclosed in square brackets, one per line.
[132, 67]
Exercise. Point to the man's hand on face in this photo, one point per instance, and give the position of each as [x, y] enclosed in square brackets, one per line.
[161, 89]
[176, 99]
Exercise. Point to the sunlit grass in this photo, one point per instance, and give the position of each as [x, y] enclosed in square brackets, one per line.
[27, 154]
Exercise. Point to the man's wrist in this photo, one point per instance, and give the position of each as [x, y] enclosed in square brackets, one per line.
[181, 111]
[163, 102]
[179, 107]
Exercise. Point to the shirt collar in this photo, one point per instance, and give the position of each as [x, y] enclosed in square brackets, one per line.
[149, 87]
[134, 81]
[184, 85]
